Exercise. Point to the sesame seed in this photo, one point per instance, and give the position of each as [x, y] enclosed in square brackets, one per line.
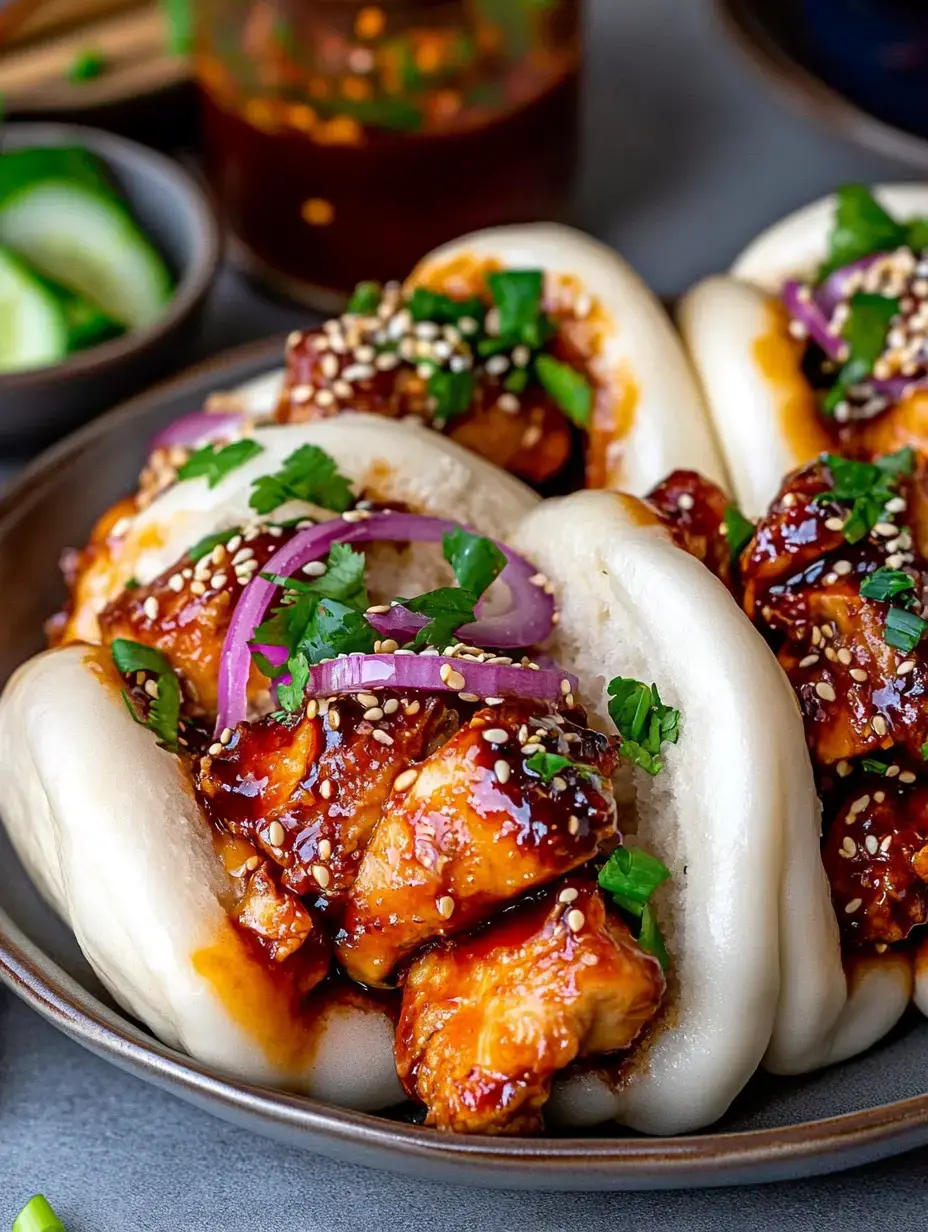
[215, 749]
[502, 770]
[858, 674]
[575, 919]
[871, 844]
[334, 718]
[197, 588]
[558, 783]
[845, 657]
[356, 515]
[382, 737]
[573, 824]
[825, 691]
[445, 906]
[892, 771]
[879, 724]
[830, 578]
[120, 528]
[406, 779]
[908, 665]
[879, 796]
[325, 398]
[218, 580]
[886, 530]
[225, 735]
[859, 805]
[325, 849]
[830, 654]
[367, 699]
[391, 705]
[835, 524]
[150, 607]
[842, 567]
[322, 875]
[328, 366]
[565, 687]
[568, 895]
[176, 582]
[151, 688]
[849, 845]
[828, 630]
[410, 708]
[906, 777]
[896, 504]
[508, 403]
[496, 365]
[816, 636]
[389, 646]
[886, 843]
[275, 834]
[844, 768]
[532, 746]
[853, 905]
[685, 502]
[495, 735]
[325, 789]
[374, 714]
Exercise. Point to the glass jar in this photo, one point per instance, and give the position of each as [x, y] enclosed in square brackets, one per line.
[344, 139]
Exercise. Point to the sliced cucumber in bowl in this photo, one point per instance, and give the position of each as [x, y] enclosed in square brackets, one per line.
[83, 237]
[33, 326]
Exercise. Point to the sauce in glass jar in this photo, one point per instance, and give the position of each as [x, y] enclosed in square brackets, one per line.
[346, 140]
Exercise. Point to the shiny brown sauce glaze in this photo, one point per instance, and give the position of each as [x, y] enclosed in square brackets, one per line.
[863, 701]
[488, 1018]
[693, 509]
[475, 829]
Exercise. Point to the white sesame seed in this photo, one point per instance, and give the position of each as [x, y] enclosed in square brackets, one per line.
[325, 849]
[849, 845]
[816, 635]
[830, 653]
[389, 646]
[333, 718]
[844, 656]
[406, 779]
[842, 567]
[325, 789]
[496, 365]
[312, 708]
[835, 524]
[502, 770]
[558, 783]
[176, 582]
[151, 688]
[878, 724]
[382, 737]
[495, 735]
[367, 699]
[509, 403]
[374, 714]
[120, 528]
[275, 834]
[573, 824]
[906, 777]
[391, 705]
[575, 919]
[896, 504]
[321, 875]
[859, 805]
[215, 749]
[445, 906]
[825, 691]
[886, 843]
[218, 580]
[150, 607]
[410, 708]
[225, 735]
[568, 895]
[886, 530]
[879, 796]
[853, 905]
[858, 674]
[844, 768]
[197, 588]
[685, 501]
[871, 844]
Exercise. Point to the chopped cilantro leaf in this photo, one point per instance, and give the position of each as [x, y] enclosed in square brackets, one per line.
[447, 608]
[516, 381]
[885, 584]
[903, 629]
[569, 388]
[291, 695]
[864, 331]
[452, 391]
[925, 751]
[477, 562]
[631, 876]
[164, 709]
[425, 305]
[643, 722]
[365, 299]
[917, 234]
[873, 766]
[204, 546]
[337, 629]
[214, 462]
[548, 765]
[861, 226]
[866, 487]
[738, 530]
[308, 474]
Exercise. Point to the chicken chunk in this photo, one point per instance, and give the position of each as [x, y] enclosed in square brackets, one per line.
[309, 793]
[488, 1019]
[693, 509]
[475, 829]
[185, 612]
[876, 857]
[280, 920]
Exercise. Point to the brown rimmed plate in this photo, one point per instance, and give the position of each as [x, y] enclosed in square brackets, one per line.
[867, 1109]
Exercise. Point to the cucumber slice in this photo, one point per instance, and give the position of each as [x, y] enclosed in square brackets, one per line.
[33, 329]
[86, 240]
[19, 168]
[87, 325]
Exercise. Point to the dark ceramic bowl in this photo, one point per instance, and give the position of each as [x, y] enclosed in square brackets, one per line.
[43, 403]
[868, 1108]
[857, 66]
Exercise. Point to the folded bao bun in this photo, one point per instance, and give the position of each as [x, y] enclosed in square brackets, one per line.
[393, 462]
[633, 602]
[735, 329]
[651, 407]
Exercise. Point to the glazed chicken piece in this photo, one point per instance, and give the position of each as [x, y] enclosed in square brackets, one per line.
[488, 1019]
[859, 695]
[876, 857]
[282, 923]
[527, 435]
[309, 793]
[475, 829]
[185, 612]
[693, 509]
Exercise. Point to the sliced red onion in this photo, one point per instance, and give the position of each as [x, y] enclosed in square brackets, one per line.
[424, 671]
[198, 428]
[835, 287]
[529, 620]
[802, 308]
[895, 388]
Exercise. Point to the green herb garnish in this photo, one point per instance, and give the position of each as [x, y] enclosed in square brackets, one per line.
[866, 487]
[925, 751]
[308, 474]
[548, 765]
[517, 295]
[87, 65]
[569, 388]
[365, 299]
[452, 392]
[884, 584]
[873, 766]
[214, 462]
[864, 331]
[164, 710]
[903, 629]
[860, 227]
[643, 722]
[631, 876]
[739, 531]
[426, 305]
[476, 563]
[37, 1216]
[204, 546]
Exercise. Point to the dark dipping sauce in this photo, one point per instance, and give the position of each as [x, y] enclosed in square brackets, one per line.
[392, 198]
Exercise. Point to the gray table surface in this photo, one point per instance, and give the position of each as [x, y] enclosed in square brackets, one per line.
[687, 156]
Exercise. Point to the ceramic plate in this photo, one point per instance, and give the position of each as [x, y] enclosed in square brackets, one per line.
[866, 1109]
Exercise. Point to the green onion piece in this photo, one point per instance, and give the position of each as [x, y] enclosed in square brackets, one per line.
[903, 629]
[365, 299]
[873, 766]
[651, 939]
[180, 26]
[548, 765]
[37, 1216]
[632, 876]
[739, 531]
[884, 584]
[453, 393]
[569, 388]
[87, 65]
[517, 295]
